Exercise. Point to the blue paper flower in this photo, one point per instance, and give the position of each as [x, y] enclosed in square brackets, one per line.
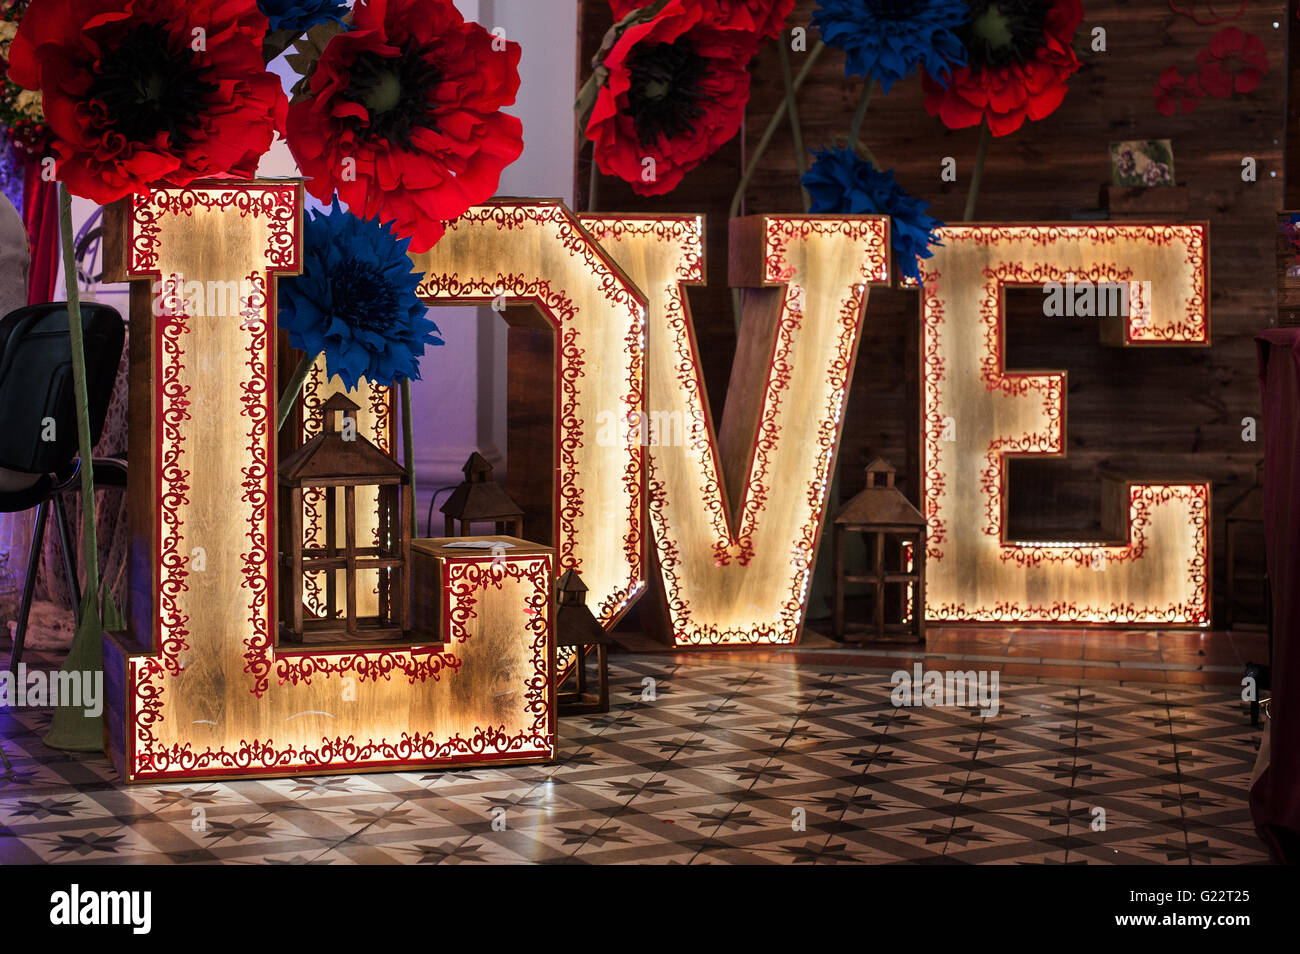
[887, 39]
[355, 300]
[842, 182]
[301, 15]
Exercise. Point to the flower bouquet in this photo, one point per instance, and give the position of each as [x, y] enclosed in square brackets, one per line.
[21, 113]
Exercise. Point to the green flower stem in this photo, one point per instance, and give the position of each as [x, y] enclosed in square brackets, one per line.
[860, 116]
[89, 543]
[865, 151]
[792, 107]
[408, 450]
[290, 394]
[773, 124]
[977, 177]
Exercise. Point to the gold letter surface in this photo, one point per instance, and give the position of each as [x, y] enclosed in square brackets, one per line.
[736, 516]
[1153, 568]
[199, 688]
[536, 253]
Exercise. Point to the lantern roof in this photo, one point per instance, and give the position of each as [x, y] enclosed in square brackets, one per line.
[479, 499]
[575, 624]
[880, 505]
[570, 582]
[477, 467]
[332, 456]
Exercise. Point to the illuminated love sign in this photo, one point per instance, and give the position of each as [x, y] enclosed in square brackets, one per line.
[1154, 568]
[735, 567]
[199, 687]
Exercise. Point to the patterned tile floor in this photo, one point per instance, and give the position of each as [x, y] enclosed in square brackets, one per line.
[718, 767]
[1129, 657]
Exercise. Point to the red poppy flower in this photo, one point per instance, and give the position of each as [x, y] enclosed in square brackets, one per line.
[1233, 62]
[137, 92]
[402, 116]
[1018, 59]
[676, 92]
[1174, 92]
[765, 18]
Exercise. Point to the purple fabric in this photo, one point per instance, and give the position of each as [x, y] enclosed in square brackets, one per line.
[1275, 796]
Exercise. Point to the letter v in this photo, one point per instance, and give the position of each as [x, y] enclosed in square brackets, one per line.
[736, 516]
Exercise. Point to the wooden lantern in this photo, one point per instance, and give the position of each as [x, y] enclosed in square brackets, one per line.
[577, 629]
[480, 499]
[339, 457]
[896, 553]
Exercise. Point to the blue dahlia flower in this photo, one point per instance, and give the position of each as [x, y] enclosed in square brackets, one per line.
[301, 15]
[887, 39]
[842, 182]
[355, 300]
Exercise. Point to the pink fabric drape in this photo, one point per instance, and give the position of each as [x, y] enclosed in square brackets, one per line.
[41, 217]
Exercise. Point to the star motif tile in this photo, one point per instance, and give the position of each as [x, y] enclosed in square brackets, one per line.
[726, 762]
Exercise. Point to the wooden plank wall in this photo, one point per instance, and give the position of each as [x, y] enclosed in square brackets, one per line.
[1135, 412]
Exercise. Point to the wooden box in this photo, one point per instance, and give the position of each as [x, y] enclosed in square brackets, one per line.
[446, 571]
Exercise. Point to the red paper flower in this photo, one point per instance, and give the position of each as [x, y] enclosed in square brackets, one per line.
[1177, 93]
[764, 18]
[1233, 62]
[1018, 60]
[145, 91]
[676, 92]
[402, 116]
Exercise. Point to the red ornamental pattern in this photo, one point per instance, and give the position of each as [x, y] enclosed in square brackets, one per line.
[935, 373]
[381, 409]
[466, 578]
[416, 665]
[173, 480]
[259, 479]
[344, 753]
[279, 204]
[1189, 328]
[313, 498]
[1142, 498]
[569, 489]
[339, 753]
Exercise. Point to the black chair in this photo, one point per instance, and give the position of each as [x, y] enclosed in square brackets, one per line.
[38, 426]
